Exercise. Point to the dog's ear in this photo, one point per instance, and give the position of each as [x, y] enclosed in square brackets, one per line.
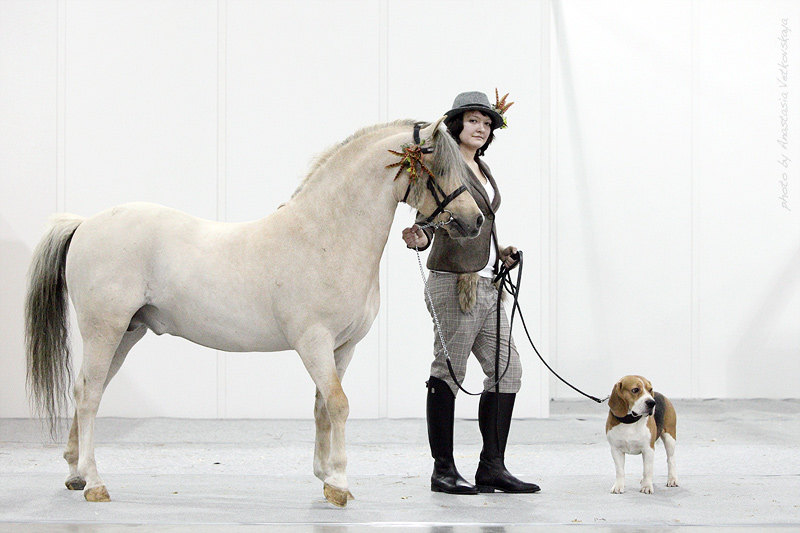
[617, 405]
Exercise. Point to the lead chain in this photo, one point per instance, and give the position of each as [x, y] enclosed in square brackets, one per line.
[427, 290]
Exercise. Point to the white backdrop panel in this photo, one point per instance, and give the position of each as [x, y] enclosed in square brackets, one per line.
[747, 242]
[28, 159]
[476, 47]
[140, 124]
[298, 81]
[624, 194]
[141, 105]
[673, 254]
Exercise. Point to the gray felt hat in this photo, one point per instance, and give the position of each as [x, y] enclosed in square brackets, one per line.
[477, 101]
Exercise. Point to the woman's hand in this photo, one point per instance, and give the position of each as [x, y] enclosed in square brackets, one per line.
[415, 237]
[505, 256]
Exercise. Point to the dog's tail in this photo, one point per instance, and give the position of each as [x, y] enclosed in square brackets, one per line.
[661, 403]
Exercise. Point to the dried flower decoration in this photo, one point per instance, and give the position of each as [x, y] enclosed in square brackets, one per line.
[411, 162]
[501, 106]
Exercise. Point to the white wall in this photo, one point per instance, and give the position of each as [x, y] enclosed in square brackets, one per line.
[675, 255]
[217, 108]
[640, 175]
[28, 170]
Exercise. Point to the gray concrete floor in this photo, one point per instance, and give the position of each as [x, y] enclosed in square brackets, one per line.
[738, 466]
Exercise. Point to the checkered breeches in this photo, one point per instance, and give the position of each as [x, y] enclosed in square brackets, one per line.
[474, 331]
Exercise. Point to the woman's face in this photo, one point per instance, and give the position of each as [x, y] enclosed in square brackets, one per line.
[477, 128]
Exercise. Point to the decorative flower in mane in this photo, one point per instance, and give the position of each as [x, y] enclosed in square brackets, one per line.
[501, 106]
[411, 162]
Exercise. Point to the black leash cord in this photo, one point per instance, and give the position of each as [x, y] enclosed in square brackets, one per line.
[504, 276]
[514, 290]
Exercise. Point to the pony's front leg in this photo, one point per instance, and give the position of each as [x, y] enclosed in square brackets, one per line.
[316, 351]
[322, 447]
[322, 442]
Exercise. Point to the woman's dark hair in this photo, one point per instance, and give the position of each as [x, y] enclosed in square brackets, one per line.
[455, 125]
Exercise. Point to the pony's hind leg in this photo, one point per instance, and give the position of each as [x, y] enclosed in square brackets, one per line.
[75, 481]
[97, 357]
[316, 352]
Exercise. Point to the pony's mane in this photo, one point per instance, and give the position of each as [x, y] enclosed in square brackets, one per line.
[445, 149]
[323, 158]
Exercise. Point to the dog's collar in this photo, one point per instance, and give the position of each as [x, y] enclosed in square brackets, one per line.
[628, 419]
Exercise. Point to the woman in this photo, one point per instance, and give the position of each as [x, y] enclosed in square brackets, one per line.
[465, 301]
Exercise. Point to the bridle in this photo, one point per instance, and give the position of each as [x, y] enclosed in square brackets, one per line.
[442, 200]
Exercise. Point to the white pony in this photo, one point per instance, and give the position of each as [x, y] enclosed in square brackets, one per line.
[303, 278]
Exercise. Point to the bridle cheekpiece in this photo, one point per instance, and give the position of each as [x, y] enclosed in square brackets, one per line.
[412, 163]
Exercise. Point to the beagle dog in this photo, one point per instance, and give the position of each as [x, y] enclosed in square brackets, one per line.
[637, 417]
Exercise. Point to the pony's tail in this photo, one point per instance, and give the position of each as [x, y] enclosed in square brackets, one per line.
[49, 368]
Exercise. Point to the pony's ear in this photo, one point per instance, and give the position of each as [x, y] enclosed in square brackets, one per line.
[432, 129]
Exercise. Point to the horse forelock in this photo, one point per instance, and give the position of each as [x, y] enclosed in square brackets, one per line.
[447, 160]
[447, 164]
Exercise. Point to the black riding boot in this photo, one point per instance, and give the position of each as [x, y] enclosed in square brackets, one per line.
[440, 413]
[494, 419]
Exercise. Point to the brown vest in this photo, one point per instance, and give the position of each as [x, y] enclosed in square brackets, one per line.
[466, 255]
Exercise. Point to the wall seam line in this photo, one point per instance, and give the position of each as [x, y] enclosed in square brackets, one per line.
[694, 302]
[61, 101]
[222, 177]
[383, 114]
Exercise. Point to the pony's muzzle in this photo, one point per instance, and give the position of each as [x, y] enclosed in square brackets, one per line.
[466, 230]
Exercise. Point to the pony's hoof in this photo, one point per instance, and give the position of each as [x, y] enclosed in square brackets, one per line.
[337, 497]
[97, 494]
[75, 483]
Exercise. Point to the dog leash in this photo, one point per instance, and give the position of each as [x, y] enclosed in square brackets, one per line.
[504, 277]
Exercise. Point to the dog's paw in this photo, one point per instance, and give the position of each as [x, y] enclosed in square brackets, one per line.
[618, 488]
[672, 482]
[647, 488]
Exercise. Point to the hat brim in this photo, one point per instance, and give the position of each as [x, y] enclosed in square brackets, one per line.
[497, 119]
